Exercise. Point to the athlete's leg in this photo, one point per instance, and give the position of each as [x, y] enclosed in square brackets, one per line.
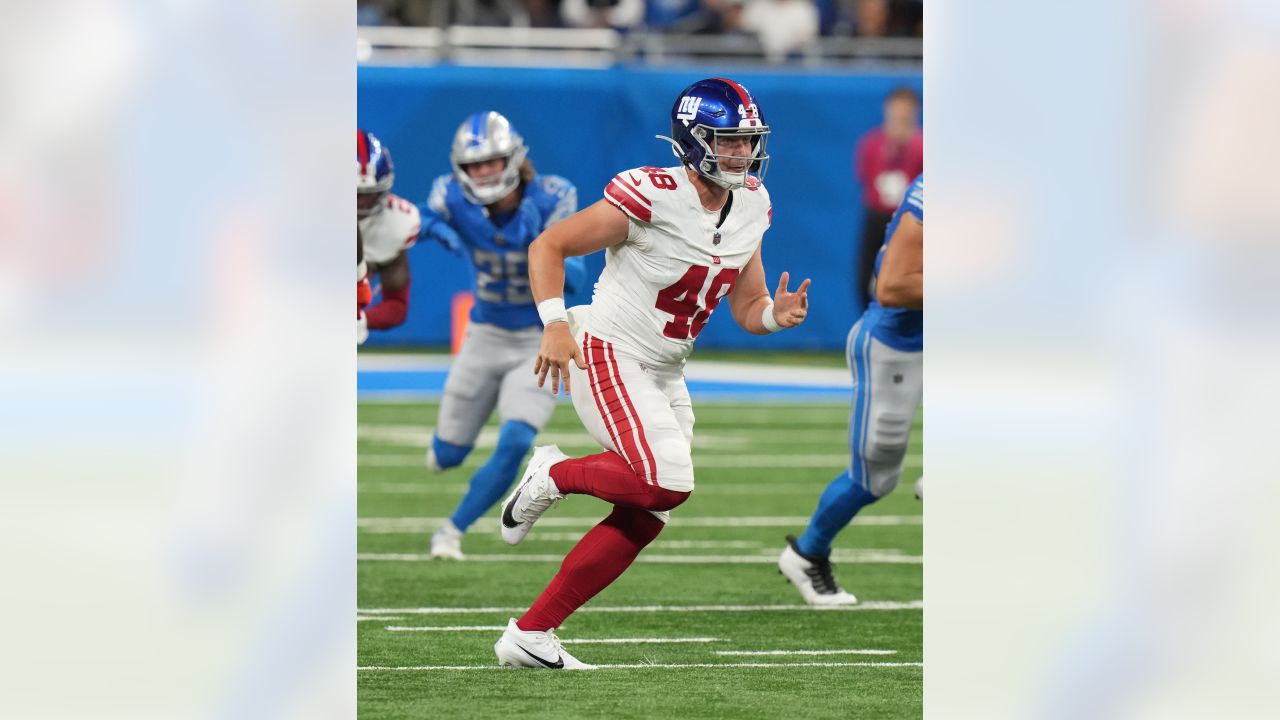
[470, 394]
[524, 408]
[647, 463]
[598, 559]
[646, 471]
[887, 390]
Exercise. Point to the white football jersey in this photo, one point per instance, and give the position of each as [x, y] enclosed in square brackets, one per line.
[660, 286]
[390, 231]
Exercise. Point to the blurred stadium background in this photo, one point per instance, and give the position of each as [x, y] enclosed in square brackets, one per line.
[589, 101]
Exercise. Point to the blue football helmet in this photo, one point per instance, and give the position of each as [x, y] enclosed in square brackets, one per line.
[712, 110]
[375, 173]
[486, 136]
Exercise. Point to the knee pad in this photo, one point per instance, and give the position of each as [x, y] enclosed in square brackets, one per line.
[884, 452]
[445, 455]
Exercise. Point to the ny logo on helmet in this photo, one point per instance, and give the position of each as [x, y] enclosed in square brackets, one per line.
[688, 108]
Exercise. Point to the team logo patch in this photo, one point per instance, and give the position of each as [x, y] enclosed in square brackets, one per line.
[715, 239]
[897, 379]
[715, 259]
[688, 108]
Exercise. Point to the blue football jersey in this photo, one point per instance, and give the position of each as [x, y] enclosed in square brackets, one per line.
[497, 247]
[899, 328]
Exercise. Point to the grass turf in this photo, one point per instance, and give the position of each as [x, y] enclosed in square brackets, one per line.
[768, 462]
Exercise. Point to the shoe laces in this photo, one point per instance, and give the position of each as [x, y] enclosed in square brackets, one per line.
[819, 573]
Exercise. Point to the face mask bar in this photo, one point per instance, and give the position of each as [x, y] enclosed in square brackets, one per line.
[756, 164]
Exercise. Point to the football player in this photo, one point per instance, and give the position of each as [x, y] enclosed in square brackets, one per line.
[388, 226]
[884, 351]
[493, 205]
[678, 240]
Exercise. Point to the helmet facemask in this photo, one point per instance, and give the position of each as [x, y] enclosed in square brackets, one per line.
[370, 195]
[739, 167]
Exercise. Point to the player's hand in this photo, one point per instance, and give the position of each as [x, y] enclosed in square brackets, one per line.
[557, 351]
[790, 308]
[440, 231]
[362, 327]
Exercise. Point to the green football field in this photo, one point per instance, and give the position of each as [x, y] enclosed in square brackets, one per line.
[702, 626]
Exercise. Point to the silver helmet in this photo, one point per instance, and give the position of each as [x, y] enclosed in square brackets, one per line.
[485, 136]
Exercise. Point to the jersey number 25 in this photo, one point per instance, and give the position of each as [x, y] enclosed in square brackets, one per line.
[681, 300]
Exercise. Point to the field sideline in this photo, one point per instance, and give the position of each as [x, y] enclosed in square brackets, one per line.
[701, 626]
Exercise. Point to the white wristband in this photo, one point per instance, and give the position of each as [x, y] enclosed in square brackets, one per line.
[766, 319]
[362, 270]
[552, 310]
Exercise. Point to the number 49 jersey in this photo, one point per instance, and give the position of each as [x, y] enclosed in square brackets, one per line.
[660, 286]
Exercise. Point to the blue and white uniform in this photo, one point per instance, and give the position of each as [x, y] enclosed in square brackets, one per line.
[885, 355]
[495, 365]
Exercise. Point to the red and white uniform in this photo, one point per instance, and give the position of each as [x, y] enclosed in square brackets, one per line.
[390, 231]
[656, 293]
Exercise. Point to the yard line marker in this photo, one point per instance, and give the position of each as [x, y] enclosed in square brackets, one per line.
[806, 652]
[654, 666]
[636, 641]
[860, 557]
[866, 605]
[422, 524]
[437, 628]
[833, 461]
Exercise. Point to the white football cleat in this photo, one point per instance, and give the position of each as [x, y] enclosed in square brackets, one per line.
[446, 542]
[535, 494]
[539, 650]
[812, 576]
[920, 488]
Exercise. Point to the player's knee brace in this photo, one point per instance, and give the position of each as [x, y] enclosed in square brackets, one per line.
[885, 451]
[514, 440]
[446, 454]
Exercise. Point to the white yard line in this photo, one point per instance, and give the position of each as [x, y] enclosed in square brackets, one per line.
[833, 461]
[864, 557]
[753, 653]
[654, 666]
[866, 605]
[382, 618]
[423, 524]
[637, 641]
[450, 628]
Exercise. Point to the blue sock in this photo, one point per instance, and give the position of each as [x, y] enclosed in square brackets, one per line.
[495, 477]
[448, 454]
[842, 499]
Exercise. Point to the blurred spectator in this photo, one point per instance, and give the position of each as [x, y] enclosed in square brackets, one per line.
[888, 158]
[670, 14]
[544, 13]
[871, 19]
[716, 17]
[617, 14]
[783, 26]
[877, 18]
[491, 13]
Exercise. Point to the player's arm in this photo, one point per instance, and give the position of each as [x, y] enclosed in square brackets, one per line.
[901, 280]
[394, 307]
[752, 307]
[597, 227]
